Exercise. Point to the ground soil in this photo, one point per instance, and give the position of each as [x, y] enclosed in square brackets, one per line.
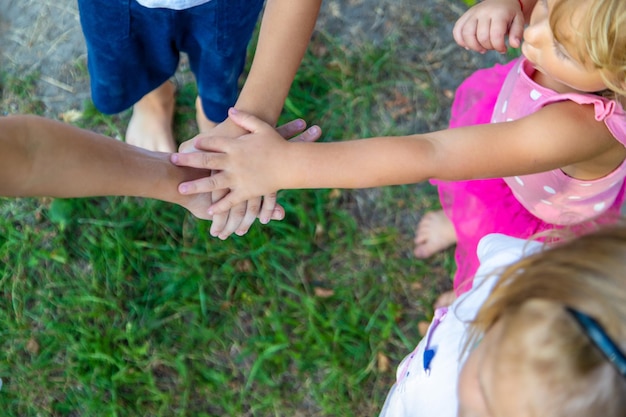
[44, 36]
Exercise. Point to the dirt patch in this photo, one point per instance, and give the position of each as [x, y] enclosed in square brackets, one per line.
[44, 37]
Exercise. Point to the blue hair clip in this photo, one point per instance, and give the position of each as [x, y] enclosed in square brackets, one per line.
[601, 340]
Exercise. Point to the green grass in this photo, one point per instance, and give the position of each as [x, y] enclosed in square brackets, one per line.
[128, 307]
[18, 94]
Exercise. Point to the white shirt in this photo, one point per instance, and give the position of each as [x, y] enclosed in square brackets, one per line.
[419, 392]
[172, 4]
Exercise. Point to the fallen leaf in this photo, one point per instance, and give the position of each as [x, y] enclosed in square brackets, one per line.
[71, 115]
[382, 362]
[422, 327]
[323, 292]
[244, 265]
[335, 193]
[32, 346]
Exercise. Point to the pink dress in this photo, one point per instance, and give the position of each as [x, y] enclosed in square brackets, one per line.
[522, 206]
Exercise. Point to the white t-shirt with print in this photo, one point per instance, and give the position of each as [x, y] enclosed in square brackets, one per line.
[172, 4]
[433, 393]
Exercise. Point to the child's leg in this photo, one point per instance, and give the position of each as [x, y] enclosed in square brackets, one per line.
[204, 124]
[435, 232]
[150, 126]
[131, 55]
[473, 104]
[217, 53]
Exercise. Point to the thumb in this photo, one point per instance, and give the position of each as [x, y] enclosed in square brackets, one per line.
[516, 32]
[247, 121]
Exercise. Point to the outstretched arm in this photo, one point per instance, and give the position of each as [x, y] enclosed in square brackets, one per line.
[43, 157]
[563, 135]
[486, 25]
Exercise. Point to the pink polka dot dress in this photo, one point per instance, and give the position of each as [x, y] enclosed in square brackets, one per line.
[522, 206]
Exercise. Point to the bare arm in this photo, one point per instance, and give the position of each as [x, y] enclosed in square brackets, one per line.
[562, 135]
[42, 157]
[285, 33]
[286, 29]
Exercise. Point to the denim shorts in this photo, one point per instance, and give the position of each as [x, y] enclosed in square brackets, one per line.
[131, 49]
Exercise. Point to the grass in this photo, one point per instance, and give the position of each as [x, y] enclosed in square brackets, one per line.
[128, 307]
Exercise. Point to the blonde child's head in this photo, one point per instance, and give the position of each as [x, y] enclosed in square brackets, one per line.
[534, 358]
[600, 38]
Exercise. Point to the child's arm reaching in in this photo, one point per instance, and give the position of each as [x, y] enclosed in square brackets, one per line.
[43, 157]
[486, 25]
[286, 28]
[263, 162]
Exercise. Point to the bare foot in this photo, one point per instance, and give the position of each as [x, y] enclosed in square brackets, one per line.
[150, 126]
[204, 124]
[445, 299]
[434, 233]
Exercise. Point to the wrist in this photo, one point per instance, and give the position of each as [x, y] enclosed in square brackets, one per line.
[228, 128]
[301, 165]
[168, 178]
[268, 110]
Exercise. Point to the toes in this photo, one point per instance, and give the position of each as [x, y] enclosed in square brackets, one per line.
[418, 253]
[424, 251]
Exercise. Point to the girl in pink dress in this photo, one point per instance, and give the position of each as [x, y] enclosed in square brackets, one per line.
[545, 135]
[515, 206]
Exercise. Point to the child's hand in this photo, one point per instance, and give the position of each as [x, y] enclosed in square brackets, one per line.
[247, 166]
[239, 219]
[485, 26]
[196, 204]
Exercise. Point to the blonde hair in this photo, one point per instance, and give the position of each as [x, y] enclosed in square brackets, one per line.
[587, 274]
[603, 31]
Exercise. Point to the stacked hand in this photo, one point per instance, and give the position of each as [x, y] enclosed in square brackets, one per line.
[234, 211]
